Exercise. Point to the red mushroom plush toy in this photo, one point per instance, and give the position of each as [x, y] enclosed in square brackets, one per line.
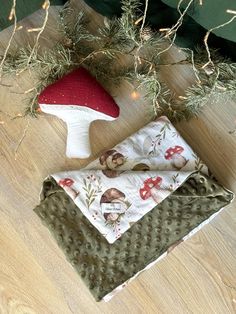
[78, 99]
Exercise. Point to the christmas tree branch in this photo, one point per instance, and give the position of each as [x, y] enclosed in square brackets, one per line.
[12, 16]
[45, 6]
[139, 45]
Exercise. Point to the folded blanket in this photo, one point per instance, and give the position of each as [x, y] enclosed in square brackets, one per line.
[130, 207]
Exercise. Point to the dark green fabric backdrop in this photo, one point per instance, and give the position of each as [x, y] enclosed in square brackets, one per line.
[163, 13]
[23, 8]
[211, 14]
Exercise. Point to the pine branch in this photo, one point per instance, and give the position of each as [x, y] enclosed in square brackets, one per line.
[12, 16]
[73, 26]
[141, 47]
[130, 14]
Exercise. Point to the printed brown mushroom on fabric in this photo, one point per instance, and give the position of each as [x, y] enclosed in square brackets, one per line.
[112, 159]
[111, 173]
[174, 154]
[141, 167]
[150, 189]
[113, 195]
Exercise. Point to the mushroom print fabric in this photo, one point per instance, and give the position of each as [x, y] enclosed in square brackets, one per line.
[130, 207]
[128, 181]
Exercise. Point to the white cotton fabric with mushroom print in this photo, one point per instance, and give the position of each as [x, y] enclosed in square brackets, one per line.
[128, 181]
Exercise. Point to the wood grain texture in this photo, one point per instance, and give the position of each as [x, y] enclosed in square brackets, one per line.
[198, 277]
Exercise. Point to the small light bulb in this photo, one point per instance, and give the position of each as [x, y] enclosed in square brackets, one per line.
[135, 95]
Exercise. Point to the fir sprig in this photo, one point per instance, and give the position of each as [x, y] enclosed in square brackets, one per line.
[122, 38]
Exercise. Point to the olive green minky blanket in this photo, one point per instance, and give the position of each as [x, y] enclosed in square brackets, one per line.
[103, 266]
[130, 207]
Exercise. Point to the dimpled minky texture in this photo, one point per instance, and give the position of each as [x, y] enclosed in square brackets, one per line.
[128, 181]
[103, 266]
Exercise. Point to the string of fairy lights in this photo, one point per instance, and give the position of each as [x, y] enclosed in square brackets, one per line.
[168, 33]
[16, 28]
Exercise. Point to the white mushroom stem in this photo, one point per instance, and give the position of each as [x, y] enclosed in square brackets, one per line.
[158, 195]
[78, 139]
[178, 161]
[155, 196]
[110, 163]
[71, 192]
[78, 120]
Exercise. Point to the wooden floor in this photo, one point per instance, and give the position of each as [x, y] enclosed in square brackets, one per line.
[198, 277]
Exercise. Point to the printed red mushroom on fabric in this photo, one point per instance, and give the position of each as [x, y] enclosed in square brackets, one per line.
[174, 154]
[66, 184]
[150, 189]
[78, 99]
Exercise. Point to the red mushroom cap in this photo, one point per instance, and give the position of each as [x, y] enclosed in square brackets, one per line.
[79, 88]
[170, 152]
[152, 182]
[149, 183]
[66, 182]
[144, 193]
